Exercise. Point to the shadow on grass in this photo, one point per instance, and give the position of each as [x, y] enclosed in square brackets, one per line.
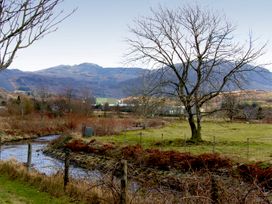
[183, 143]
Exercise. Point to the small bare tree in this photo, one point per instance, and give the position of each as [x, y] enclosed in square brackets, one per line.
[196, 53]
[147, 102]
[22, 22]
[69, 94]
[42, 94]
[87, 100]
[230, 102]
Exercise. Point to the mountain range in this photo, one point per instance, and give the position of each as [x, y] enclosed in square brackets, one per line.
[103, 82]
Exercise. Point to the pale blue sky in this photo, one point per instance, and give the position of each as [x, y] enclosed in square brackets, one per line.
[96, 32]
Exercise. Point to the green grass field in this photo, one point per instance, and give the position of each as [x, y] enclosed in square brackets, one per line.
[16, 192]
[240, 141]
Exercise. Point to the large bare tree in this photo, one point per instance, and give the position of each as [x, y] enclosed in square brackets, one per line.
[22, 22]
[196, 53]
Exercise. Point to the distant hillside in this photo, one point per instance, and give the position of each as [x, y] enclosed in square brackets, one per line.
[104, 82]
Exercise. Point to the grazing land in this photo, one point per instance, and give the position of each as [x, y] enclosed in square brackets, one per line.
[148, 156]
[155, 146]
[231, 139]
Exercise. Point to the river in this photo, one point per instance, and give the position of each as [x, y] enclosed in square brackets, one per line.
[40, 161]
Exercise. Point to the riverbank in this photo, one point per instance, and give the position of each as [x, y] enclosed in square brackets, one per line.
[13, 191]
[16, 128]
[34, 187]
[171, 174]
[5, 138]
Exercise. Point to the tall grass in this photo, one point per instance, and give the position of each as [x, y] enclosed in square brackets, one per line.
[196, 187]
[78, 191]
[16, 127]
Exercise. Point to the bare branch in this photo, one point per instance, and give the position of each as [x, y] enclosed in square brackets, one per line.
[198, 52]
[24, 22]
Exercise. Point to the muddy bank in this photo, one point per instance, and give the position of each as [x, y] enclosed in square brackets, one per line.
[148, 177]
[138, 171]
[6, 138]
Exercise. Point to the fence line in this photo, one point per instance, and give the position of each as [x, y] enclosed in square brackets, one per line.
[248, 149]
[164, 193]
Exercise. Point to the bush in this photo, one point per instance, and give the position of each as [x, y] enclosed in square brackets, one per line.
[257, 173]
[91, 147]
[154, 158]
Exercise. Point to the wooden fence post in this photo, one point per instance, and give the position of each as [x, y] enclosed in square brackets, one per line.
[213, 144]
[185, 142]
[247, 148]
[124, 140]
[83, 129]
[141, 135]
[161, 141]
[66, 169]
[29, 156]
[123, 196]
[0, 146]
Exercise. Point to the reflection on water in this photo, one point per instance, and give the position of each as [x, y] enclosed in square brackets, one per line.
[42, 162]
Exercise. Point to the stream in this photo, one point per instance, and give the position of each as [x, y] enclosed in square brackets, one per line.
[42, 162]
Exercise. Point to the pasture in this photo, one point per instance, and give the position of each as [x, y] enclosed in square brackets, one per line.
[240, 141]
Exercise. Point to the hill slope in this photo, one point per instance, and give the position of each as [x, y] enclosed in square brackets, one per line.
[103, 82]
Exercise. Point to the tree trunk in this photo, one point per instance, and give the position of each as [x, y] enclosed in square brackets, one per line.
[195, 130]
[199, 132]
[198, 120]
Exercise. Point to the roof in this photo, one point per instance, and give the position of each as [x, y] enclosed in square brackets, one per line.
[102, 101]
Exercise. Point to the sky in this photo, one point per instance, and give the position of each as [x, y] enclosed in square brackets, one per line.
[96, 32]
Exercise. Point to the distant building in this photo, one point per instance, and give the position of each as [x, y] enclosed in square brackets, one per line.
[172, 110]
[102, 101]
[23, 90]
[27, 93]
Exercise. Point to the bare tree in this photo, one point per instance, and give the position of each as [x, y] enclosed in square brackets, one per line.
[146, 102]
[87, 100]
[251, 111]
[230, 102]
[42, 95]
[22, 22]
[197, 55]
[69, 94]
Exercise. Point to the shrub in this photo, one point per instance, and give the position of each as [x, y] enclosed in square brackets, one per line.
[91, 147]
[163, 160]
[132, 152]
[258, 173]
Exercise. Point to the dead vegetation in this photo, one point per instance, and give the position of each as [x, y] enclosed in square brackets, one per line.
[14, 127]
[194, 187]
[175, 177]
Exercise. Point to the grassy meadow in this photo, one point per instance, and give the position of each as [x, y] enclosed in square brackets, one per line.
[17, 185]
[13, 191]
[240, 141]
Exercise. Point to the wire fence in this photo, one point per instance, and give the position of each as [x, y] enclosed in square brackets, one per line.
[248, 149]
[124, 182]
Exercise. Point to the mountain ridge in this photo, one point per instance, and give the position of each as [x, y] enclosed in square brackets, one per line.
[102, 81]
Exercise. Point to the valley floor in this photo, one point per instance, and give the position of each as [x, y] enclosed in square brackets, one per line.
[238, 140]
